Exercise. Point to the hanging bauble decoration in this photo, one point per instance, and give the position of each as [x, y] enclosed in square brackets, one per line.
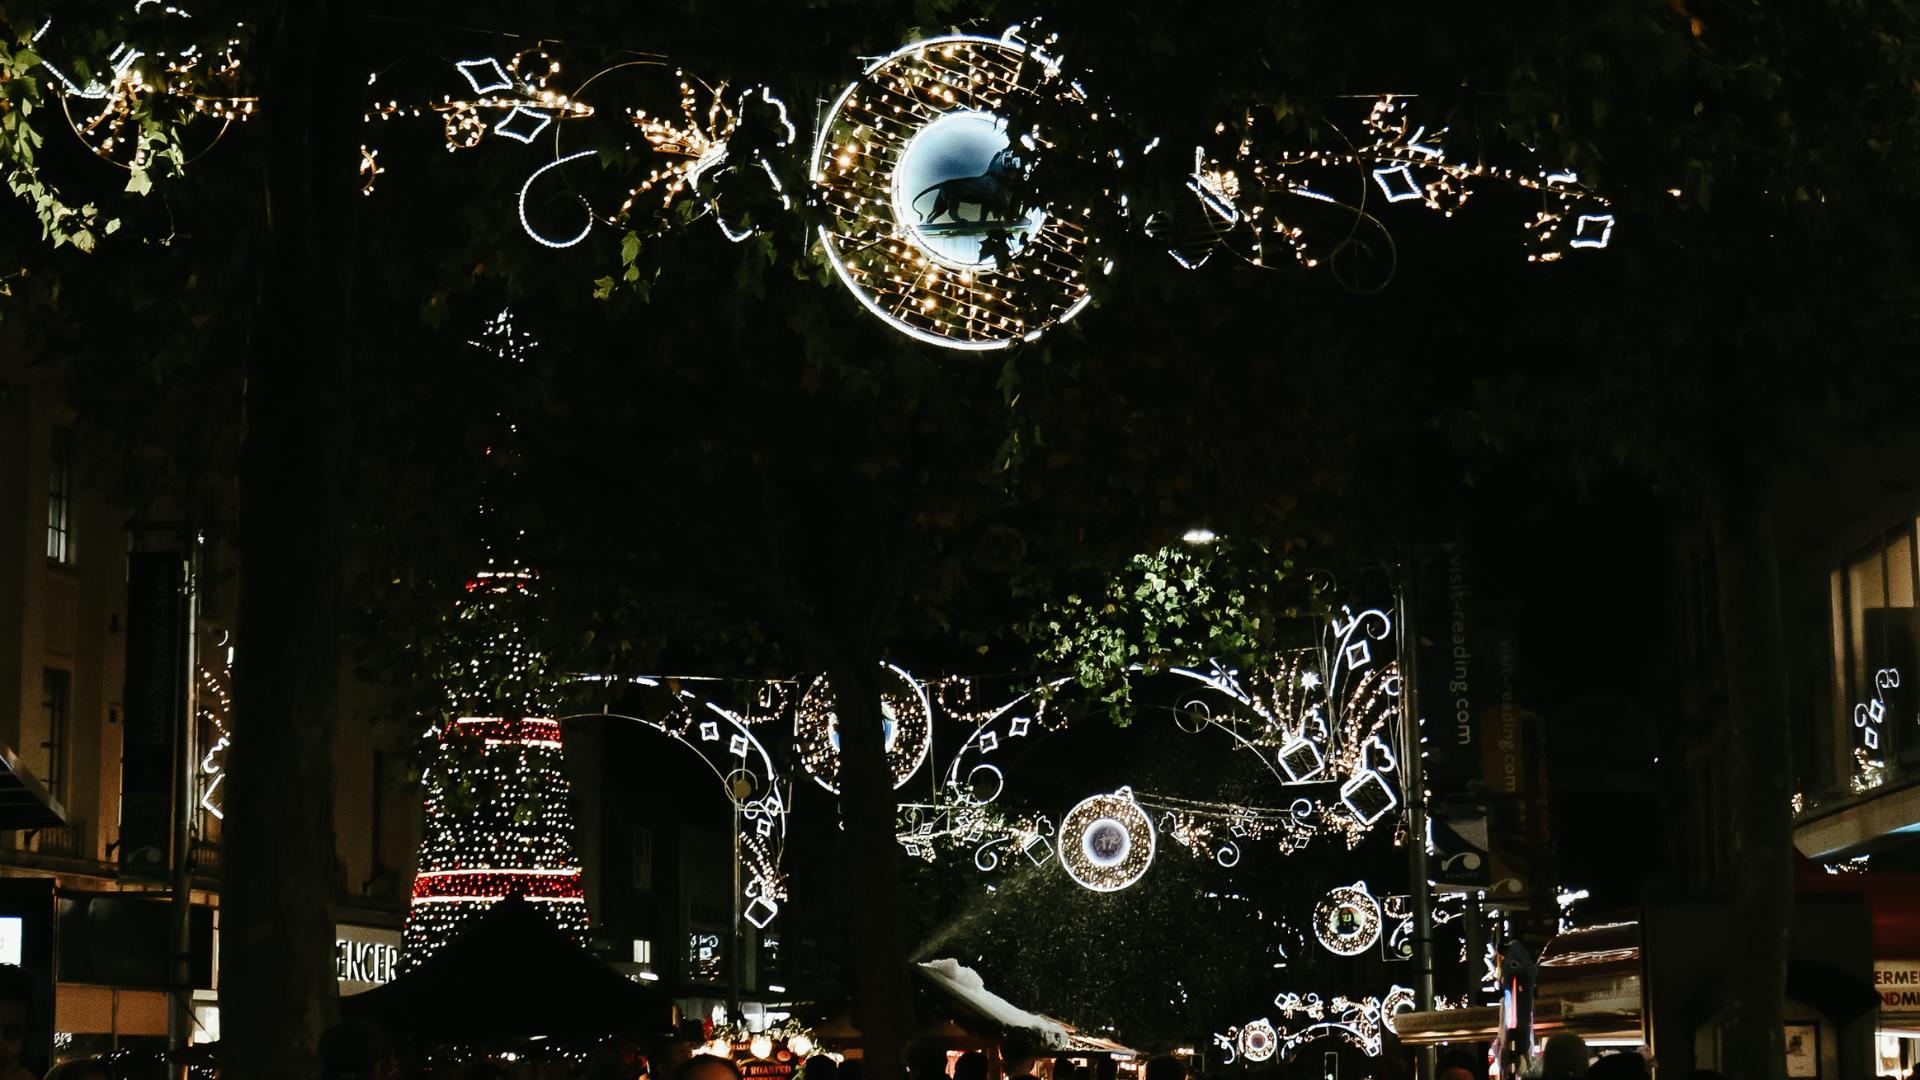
[933, 222]
[1347, 920]
[1258, 1040]
[906, 720]
[1106, 842]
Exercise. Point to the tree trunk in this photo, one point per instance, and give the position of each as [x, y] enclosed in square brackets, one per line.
[1759, 771]
[883, 1005]
[277, 982]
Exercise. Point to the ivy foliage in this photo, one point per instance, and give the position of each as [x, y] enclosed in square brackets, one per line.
[1178, 606]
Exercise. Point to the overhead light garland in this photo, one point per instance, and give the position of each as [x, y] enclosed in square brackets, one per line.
[1360, 1022]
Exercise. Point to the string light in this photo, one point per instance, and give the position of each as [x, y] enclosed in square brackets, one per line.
[906, 725]
[497, 823]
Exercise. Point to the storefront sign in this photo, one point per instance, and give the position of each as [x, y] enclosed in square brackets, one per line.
[1898, 982]
[365, 957]
[780, 1068]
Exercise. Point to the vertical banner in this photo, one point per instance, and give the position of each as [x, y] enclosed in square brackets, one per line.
[1454, 681]
[155, 709]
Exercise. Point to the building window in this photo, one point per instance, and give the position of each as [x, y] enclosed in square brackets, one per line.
[60, 500]
[1875, 629]
[642, 951]
[643, 859]
[56, 697]
[705, 959]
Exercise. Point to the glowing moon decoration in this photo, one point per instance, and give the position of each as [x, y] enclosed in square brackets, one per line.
[1106, 842]
[1347, 920]
[906, 720]
[933, 225]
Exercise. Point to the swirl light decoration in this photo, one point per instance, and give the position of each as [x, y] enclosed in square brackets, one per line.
[1347, 920]
[906, 718]
[933, 225]
[1106, 842]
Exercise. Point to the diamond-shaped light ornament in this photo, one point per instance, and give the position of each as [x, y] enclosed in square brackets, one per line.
[1397, 183]
[1592, 231]
[522, 124]
[485, 75]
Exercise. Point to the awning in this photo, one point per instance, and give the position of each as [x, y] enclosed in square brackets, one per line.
[24, 802]
[1588, 984]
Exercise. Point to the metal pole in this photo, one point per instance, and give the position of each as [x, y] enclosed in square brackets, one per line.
[1414, 757]
[734, 959]
[180, 980]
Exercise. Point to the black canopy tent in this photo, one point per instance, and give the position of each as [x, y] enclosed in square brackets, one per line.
[511, 976]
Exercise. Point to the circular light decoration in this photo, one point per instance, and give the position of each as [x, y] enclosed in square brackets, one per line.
[906, 720]
[1106, 842]
[1347, 920]
[932, 222]
[1258, 1040]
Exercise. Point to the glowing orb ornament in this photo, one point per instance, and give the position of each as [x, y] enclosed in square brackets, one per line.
[932, 222]
[906, 720]
[1258, 1040]
[1106, 842]
[1347, 920]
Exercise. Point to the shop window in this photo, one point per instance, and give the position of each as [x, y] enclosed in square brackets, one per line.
[1876, 631]
[60, 500]
[705, 958]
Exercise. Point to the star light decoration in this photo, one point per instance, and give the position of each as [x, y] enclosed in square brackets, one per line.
[938, 109]
[1274, 206]
[1106, 842]
[906, 722]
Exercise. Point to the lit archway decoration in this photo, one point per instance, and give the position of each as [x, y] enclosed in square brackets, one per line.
[906, 720]
[932, 224]
[1106, 842]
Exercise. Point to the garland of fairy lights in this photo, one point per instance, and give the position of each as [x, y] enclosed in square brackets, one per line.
[497, 825]
[1361, 1022]
[931, 220]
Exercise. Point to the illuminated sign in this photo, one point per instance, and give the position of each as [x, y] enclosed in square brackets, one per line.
[364, 957]
[1898, 982]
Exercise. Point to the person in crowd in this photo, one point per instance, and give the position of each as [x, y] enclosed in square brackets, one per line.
[1456, 1072]
[83, 1069]
[926, 1060]
[1018, 1055]
[1627, 1066]
[355, 1050]
[1565, 1059]
[971, 1066]
[487, 1069]
[822, 1067]
[707, 1067]
[1165, 1067]
[852, 1069]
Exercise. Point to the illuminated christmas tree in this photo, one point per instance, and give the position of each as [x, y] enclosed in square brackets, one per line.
[497, 817]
